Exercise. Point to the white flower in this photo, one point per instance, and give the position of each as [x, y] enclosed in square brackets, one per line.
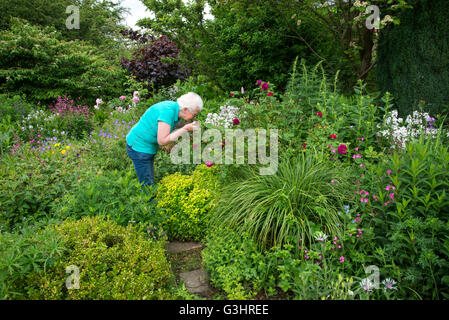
[367, 284]
[389, 284]
[99, 101]
[320, 236]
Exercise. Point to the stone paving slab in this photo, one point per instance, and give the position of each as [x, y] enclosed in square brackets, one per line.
[176, 246]
[196, 281]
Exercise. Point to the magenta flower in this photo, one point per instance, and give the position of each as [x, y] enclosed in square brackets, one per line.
[388, 171]
[319, 114]
[332, 181]
[259, 82]
[264, 86]
[342, 149]
[342, 259]
[236, 121]
[209, 163]
[270, 94]
[304, 144]
[122, 98]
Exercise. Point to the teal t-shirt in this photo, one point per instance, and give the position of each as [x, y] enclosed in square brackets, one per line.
[143, 135]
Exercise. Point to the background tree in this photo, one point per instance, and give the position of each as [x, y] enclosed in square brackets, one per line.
[100, 21]
[37, 62]
[243, 43]
[342, 40]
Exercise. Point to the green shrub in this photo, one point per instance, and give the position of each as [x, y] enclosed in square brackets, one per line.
[16, 107]
[23, 252]
[114, 194]
[242, 271]
[286, 207]
[187, 201]
[410, 217]
[114, 263]
[30, 181]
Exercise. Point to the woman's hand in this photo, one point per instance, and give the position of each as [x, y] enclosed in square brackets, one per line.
[191, 126]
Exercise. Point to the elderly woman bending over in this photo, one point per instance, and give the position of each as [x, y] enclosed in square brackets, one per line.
[155, 128]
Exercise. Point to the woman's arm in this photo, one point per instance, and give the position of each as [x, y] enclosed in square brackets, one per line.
[165, 137]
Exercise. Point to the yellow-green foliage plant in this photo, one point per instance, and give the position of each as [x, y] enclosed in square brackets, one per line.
[114, 263]
[187, 201]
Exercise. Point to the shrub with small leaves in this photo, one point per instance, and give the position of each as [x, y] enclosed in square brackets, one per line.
[187, 201]
[114, 262]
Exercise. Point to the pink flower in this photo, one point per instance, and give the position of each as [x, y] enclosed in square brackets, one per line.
[194, 146]
[136, 99]
[119, 109]
[356, 149]
[362, 165]
[333, 150]
[391, 196]
[342, 149]
[122, 98]
[342, 259]
[264, 86]
[332, 181]
[242, 90]
[388, 171]
[319, 114]
[259, 82]
[387, 188]
[99, 101]
[209, 163]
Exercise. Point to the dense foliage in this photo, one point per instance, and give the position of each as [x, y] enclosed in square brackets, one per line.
[37, 62]
[151, 63]
[413, 58]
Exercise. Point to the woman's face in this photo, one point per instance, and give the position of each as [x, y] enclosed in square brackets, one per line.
[189, 115]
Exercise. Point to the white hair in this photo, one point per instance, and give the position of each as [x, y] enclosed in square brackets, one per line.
[191, 101]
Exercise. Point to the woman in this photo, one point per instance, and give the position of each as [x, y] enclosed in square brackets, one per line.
[155, 128]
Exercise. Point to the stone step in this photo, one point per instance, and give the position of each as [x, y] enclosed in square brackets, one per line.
[196, 282]
[177, 246]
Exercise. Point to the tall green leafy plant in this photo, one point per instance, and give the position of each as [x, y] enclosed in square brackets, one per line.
[409, 215]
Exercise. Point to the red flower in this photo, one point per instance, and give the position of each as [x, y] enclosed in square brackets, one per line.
[342, 149]
[333, 136]
[236, 121]
[304, 144]
[270, 94]
[232, 94]
[319, 114]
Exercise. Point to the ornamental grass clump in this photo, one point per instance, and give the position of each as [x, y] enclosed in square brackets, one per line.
[288, 207]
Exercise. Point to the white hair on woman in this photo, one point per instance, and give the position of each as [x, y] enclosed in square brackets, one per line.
[191, 101]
